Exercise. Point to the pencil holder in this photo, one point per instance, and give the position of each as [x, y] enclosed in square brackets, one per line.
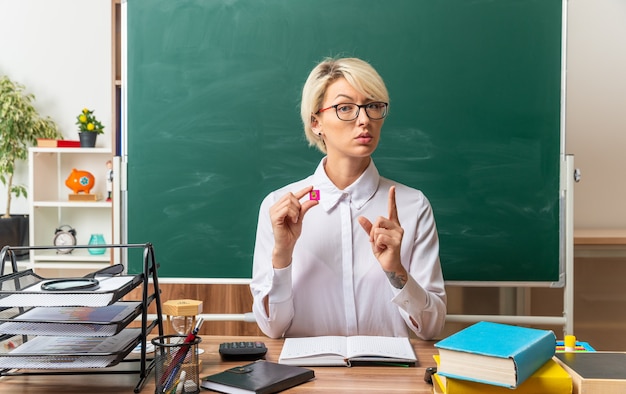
[177, 366]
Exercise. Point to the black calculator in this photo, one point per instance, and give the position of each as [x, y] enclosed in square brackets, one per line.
[242, 351]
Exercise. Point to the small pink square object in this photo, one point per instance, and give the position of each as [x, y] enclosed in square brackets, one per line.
[314, 195]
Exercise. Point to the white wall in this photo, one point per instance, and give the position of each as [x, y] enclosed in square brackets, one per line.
[596, 110]
[60, 50]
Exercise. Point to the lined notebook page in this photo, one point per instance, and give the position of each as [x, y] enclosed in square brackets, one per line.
[309, 346]
[397, 347]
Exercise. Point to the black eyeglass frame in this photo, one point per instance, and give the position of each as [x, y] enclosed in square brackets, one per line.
[358, 111]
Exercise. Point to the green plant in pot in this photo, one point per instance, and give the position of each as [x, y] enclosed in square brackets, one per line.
[20, 126]
[88, 128]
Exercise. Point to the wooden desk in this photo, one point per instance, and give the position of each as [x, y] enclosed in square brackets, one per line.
[327, 379]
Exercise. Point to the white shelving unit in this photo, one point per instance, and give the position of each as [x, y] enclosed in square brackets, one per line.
[50, 208]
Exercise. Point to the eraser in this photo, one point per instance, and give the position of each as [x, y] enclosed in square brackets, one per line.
[190, 387]
[314, 195]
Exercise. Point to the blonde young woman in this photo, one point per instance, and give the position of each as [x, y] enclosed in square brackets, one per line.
[363, 259]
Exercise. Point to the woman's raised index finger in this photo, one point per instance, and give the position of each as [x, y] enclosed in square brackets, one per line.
[393, 210]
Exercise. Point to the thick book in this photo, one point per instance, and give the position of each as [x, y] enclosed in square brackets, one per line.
[347, 351]
[549, 378]
[260, 377]
[495, 353]
[595, 372]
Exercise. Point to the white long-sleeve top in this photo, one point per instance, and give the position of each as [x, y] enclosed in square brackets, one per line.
[334, 284]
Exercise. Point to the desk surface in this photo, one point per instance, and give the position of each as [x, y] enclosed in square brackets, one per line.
[327, 379]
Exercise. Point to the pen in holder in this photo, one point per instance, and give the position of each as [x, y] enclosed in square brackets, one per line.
[177, 363]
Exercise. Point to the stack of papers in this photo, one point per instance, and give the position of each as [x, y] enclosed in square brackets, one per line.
[32, 296]
[71, 352]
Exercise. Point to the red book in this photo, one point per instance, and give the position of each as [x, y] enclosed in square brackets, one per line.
[68, 144]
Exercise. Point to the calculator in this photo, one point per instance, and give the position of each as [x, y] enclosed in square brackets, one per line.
[242, 351]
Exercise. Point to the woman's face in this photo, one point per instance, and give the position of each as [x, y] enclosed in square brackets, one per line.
[356, 138]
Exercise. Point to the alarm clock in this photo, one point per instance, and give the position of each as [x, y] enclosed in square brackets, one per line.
[64, 236]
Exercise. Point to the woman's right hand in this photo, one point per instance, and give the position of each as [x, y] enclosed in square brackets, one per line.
[286, 217]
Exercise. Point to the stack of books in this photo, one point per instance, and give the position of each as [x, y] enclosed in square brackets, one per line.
[549, 378]
[578, 347]
[495, 358]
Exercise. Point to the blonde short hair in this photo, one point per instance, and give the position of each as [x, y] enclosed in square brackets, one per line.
[359, 74]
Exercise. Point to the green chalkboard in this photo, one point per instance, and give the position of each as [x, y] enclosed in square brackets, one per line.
[213, 123]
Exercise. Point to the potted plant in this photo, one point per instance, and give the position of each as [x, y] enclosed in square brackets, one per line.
[20, 126]
[89, 127]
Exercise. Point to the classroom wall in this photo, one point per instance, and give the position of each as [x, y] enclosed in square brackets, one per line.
[596, 110]
[60, 50]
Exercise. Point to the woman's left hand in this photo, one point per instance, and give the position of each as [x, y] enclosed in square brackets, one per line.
[386, 238]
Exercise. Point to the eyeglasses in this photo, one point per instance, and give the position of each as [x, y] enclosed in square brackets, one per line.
[350, 111]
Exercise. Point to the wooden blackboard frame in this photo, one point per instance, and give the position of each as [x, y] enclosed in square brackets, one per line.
[481, 91]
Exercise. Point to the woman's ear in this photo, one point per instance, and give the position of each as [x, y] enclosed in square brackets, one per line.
[316, 126]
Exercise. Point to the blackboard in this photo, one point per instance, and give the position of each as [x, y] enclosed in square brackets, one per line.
[213, 90]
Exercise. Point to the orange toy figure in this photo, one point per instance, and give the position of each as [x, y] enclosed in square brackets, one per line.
[80, 181]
